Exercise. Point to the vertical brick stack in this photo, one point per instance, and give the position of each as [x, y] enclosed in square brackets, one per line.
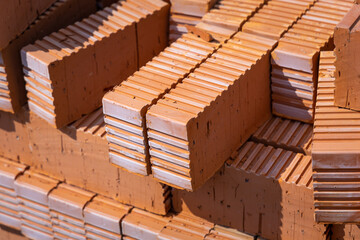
[295, 60]
[32, 191]
[68, 72]
[12, 84]
[227, 17]
[187, 138]
[125, 107]
[346, 38]
[5, 100]
[336, 152]
[9, 212]
[66, 209]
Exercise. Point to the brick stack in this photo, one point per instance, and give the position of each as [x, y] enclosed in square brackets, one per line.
[9, 213]
[16, 16]
[32, 191]
[98, 44]
[103, 217]
[227, 17]
[269, 187]
[66, 209]
[187, 121]
[186, 13]
[125, 107]
[295, 60]
[335, 152]
[12, 85]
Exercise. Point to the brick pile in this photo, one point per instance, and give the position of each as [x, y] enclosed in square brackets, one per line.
[244, 127]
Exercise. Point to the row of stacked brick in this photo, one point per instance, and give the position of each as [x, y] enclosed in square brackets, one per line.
[12, 85]
[44, 208]
[125, 109]
[68, 72]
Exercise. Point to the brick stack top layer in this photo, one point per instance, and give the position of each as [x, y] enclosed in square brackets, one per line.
[279, 164]
[276, 17]
[287, 134]
[335, 152]
[227, 17]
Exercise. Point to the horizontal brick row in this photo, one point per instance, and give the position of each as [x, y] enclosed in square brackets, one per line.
[12, 84]
[295, 60]
[227, 17]
[44, 208]
[287, 134]
[79, 155]
[335, 152]
[271, 193]
[68, 72]
[276, 17]
[125, 107]
[186, 144]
